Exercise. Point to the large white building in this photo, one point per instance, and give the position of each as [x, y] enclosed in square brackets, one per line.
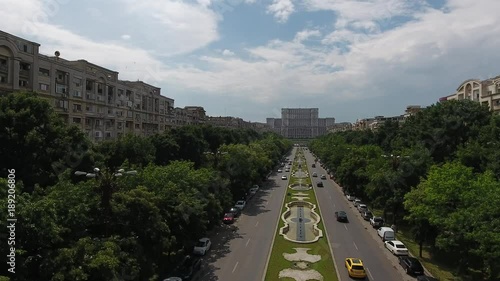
[486, 92]
[300, 123]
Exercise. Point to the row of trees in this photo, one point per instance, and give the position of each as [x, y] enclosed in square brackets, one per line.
[119, 228]
[437, 173]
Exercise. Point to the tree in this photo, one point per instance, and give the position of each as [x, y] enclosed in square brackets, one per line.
[35, 141]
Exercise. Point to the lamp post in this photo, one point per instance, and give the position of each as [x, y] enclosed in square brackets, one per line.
[216, 156]
[107, 187]
[395, 160]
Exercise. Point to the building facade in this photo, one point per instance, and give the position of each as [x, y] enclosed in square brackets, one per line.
[486, 92]
[84, 94]
[300, 123]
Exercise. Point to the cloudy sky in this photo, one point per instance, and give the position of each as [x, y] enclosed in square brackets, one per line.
[250, 58]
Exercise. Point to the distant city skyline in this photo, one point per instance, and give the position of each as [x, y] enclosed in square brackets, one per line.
[249, 58]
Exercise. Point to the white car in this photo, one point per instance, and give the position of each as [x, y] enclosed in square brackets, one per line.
[240, 204]
[284, 177]
[396, 247]
[350, 197]
[202, 246]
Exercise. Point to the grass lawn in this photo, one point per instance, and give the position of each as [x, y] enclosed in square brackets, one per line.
[277, 262]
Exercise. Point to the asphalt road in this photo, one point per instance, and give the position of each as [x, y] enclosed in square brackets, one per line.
[240, 251]
[355, 239]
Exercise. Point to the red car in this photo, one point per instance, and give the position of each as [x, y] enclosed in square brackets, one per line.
[228, 218]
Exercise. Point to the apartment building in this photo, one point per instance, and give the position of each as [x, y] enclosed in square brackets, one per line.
[486, 92]
[300, 123]
[84, 94]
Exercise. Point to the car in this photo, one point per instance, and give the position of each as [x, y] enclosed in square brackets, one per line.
[313, 165]
[228, 218]
[362, 208]
[315, 174]
[411, 265]
[287, 170]
[350, 197]
[341, 216]
[357, 202]
[323, 177]
[377, 222]
[253, 190]
[396, 248]
[186, 271]
[235, 211]
[202, 247]
[319, 184]
[425, 278]
[280, 171]
[355, 268]
[284, 177]
[386, 234]
[240, 204]
[367, 215]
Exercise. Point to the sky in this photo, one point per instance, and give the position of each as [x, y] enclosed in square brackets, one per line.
[352, 59]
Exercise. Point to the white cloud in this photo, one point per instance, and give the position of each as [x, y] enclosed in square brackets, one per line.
[126, 37]
[306, 34]
[282, 9]
[226, 52]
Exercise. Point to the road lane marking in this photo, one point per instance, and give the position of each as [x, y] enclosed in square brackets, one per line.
[247, 242]
[257, 223]
[369, 273]
[345, 227]
[355, 245]
[235, 266]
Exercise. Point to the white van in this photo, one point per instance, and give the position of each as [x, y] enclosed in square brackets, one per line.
[386, 233]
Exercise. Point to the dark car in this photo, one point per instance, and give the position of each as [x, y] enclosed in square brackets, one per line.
[367, 215]
[228, 218]
[426, 278]
[341, 216]
[411, 265]
[190, 265]
[235, 211]
[313, 165]
[319, 184]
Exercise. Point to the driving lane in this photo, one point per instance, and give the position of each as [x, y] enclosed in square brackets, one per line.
[354, 239]
[240, 251]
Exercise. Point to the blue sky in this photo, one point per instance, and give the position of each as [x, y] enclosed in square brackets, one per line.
[352, 59]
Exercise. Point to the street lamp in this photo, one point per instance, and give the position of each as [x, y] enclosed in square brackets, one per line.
[395, 160]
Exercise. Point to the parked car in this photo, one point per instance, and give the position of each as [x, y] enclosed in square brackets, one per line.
[411, 265]
[355, 268]
[240, 204]
[377, 222]
[362, 208]
[350, 197]
[313, 165]
[386, 233]
[190, 265]
[202, 247]
[235, 211]
[319, 184]
[323, 177]
[228, 218]
[280, 171]
[357, 202]
[341, 216]
[367, 215]
[284, 177]
[315, 174]
[396, 248]
[287, 170]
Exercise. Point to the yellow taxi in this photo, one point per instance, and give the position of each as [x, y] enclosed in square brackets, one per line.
[355, 268]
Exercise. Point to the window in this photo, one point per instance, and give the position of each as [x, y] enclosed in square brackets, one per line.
[89, 108]
[23, 83]
[77, 93]
[43, 72]
[44, 87]
[3, 78]
[77, 107]
[77, 81]
[61, 89]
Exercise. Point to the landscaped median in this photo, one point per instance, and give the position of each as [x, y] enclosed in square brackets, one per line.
[300, 249]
